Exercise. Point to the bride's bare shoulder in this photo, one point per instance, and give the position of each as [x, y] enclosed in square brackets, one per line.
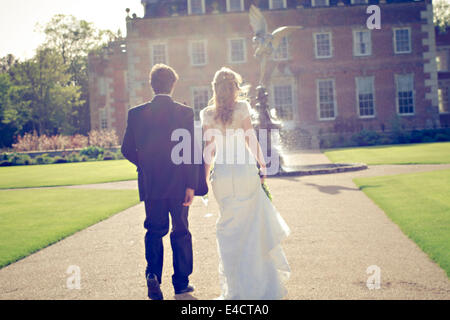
[244, 108]
[207, 113]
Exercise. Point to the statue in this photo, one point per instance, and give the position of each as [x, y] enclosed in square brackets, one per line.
[266, 43]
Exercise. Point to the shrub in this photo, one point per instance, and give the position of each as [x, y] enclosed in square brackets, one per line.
[442, 137]
[416, 136]
[366, 138]
[43, 159]
[109, 156]
[20, 159]
[6, 163]
[103, 138]
[119, 155]
[73, 157]
[53, 143]
[59, 160]
[92, 152]
[78, 141]
[29, 142]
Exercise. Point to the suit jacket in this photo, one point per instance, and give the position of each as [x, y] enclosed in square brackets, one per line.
[147, 143]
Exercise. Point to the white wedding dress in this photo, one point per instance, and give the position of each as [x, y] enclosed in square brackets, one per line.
[252, 263]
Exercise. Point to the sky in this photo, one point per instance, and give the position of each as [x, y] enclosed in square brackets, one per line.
[18, 19]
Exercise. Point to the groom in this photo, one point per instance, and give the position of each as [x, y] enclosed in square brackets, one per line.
[164, 186]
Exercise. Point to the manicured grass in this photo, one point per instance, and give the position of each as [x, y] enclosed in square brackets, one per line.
[419, 204]
[66, 174]
[424, 153]
[33, 219]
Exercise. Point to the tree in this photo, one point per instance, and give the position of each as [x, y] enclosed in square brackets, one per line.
[42, 95]
[441, 10]
[7, 130]
[73, 39]
[7, 62]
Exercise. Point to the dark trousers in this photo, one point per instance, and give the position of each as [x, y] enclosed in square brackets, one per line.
[157, 225]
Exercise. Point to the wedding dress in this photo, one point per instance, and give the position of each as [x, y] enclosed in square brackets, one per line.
[249, 229]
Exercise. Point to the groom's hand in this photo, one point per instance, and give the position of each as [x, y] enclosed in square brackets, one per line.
[189, 197]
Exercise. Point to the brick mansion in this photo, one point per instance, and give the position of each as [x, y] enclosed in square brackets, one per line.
[333, 75]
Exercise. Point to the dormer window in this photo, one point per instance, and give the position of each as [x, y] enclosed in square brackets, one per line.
[196, 7]
[277, 4]
[235, 5]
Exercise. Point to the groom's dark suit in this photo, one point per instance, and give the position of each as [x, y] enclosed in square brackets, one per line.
[162, 183]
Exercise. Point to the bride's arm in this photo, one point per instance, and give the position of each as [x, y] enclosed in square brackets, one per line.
[253, 144]
[209, 151]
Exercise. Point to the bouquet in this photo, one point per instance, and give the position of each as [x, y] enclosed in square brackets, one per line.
[266, 190]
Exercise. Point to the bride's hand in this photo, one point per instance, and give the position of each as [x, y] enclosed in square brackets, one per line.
[263, 173]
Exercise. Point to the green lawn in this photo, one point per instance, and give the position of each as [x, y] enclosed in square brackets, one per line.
[419, 204]
[33, 219]
[424, 153]
[66, 174]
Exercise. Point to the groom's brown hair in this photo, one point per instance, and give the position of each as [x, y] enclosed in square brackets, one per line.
[162, 78]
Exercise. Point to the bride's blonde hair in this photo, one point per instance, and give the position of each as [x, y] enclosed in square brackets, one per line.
[227, 90]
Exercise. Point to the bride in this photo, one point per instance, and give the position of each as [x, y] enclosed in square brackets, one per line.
[249, 229]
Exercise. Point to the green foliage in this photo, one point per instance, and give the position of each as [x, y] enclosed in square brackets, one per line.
[49, 93]
[366, 138]
[108, 155]
[42, 95]
[43, 159]
[398, 135]
[92, 152]
[74, 157]
[15, 159]
[441, 11]
[73, 39]
[7, 130]
[57, 160]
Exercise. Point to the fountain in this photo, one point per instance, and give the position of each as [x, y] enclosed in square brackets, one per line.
[265, 44]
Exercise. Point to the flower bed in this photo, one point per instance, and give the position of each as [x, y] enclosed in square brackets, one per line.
[33, 142]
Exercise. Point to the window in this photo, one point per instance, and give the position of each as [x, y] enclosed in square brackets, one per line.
[405, 94]
[362, 44]
[283, 101]
[402, 40]
[196, 6]
[200, 99]
[235, 5]
[282, 53]
[323, 45]
[442, 59]
[198, 53]
[320, 3]
[365, 97]
[277, 4]
[103, 119]
[359, 1]
[237, 51]
[102, 86]
[326, 99]
[444, 100]
[159, 53]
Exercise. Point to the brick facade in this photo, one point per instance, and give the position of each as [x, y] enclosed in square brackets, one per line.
[331, 77]
[443, 54]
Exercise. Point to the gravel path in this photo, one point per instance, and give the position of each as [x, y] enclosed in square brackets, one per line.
[337, 233]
